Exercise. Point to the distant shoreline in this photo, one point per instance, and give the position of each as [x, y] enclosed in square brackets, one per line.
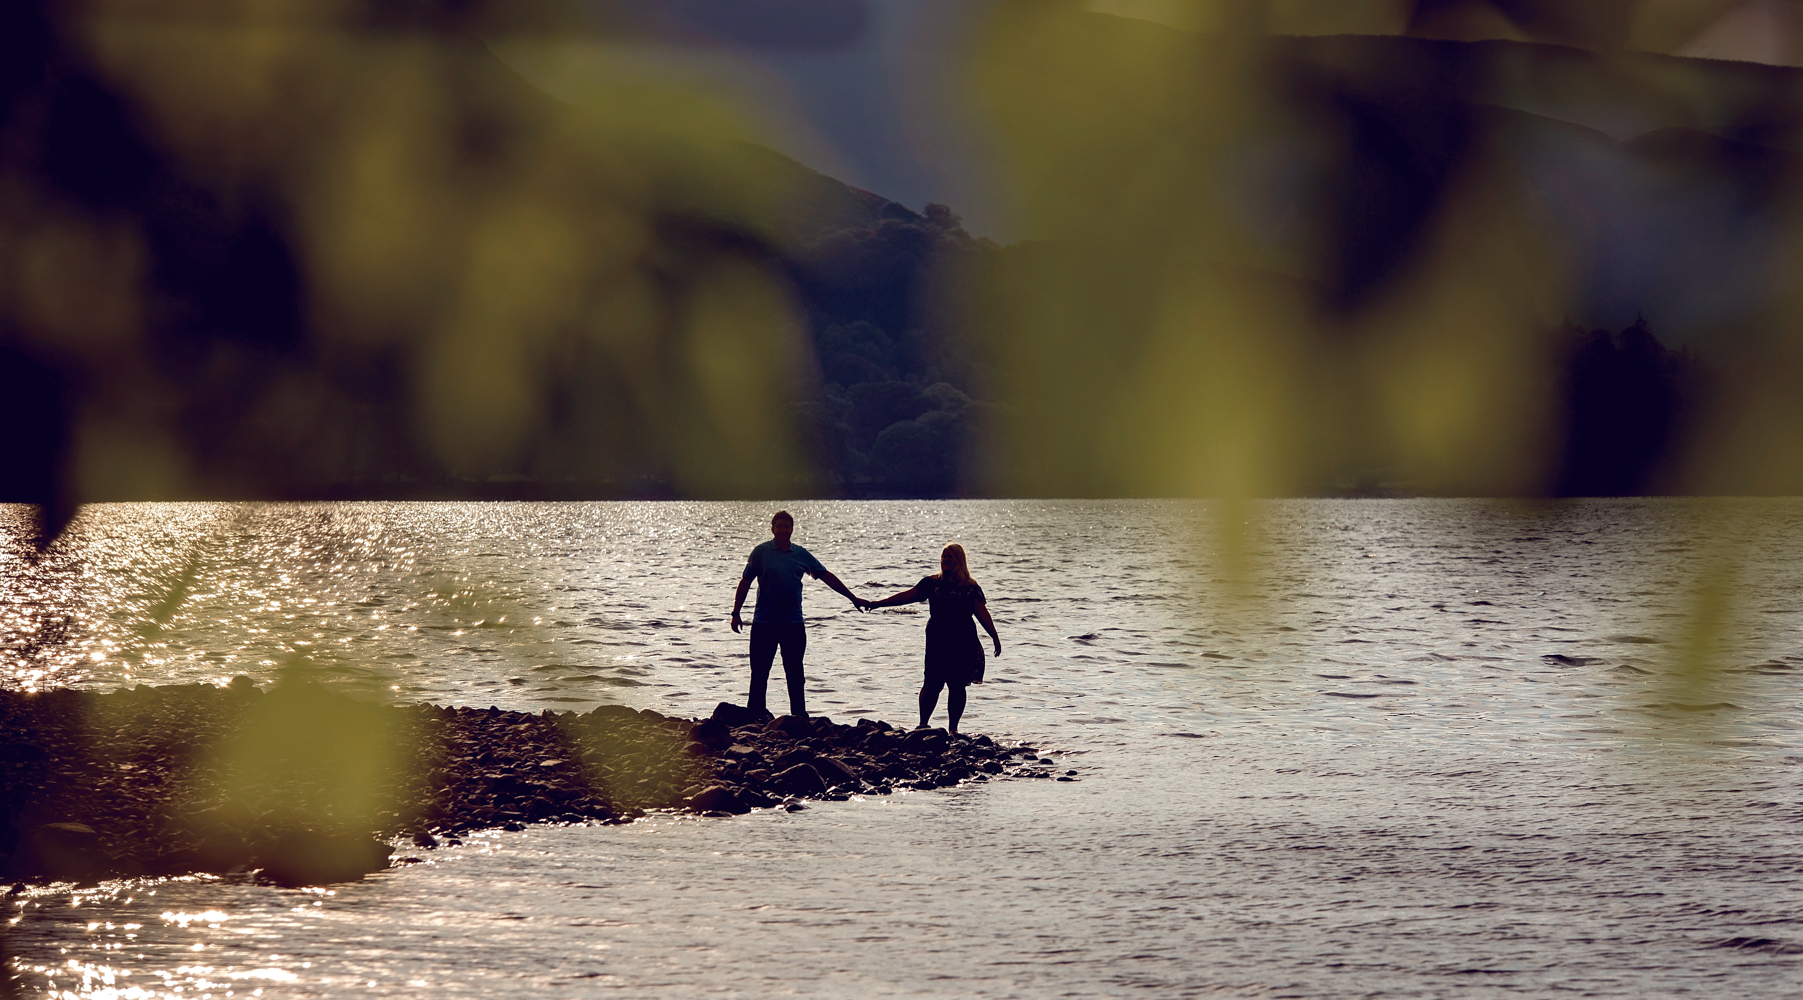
[515, 492]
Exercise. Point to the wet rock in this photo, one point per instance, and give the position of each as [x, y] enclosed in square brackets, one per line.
[61, 851]
[226, 851]
[928, 741]
[756, 799]
[718, 798]
[835, 771]
[310, 857]
[801, 779]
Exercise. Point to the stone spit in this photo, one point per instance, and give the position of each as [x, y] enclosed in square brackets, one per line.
[306, 786]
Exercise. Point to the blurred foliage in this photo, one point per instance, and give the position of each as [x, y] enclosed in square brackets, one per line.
[341, 754]
[1262, 266]
[266, 248]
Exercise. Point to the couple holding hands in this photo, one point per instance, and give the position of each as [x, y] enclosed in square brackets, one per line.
[954, 653]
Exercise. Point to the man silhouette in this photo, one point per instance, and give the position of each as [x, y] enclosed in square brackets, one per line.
[777, 565]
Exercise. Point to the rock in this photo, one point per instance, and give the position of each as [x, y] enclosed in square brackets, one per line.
[733, 716]
[717, 798]
[711, 733]
[310, 857]
[835, 771]
[927, 741]
[796, 755]
[224, 851]
[74, 835]
[793, 726]
[756, 799]
[61, 851]
[801, 779]
[613, 712]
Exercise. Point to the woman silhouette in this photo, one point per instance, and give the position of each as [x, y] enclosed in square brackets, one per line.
[954, 653]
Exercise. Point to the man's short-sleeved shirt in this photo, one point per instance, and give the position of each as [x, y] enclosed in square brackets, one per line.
[778, 574]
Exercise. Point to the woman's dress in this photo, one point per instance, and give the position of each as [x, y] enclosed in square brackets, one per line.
[954, 653]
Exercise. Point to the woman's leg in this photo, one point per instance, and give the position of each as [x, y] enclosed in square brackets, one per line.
[929, 698]
[954, 703]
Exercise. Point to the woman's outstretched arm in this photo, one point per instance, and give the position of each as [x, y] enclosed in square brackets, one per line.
[982, 613]
[909, 596]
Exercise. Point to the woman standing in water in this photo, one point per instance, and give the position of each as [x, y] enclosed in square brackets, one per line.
[954, 653]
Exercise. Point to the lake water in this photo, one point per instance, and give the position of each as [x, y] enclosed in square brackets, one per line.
[1399, 748]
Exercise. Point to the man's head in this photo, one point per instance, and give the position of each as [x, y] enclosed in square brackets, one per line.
[782, 525]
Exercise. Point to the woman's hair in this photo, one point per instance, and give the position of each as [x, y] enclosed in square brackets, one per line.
[954, 569]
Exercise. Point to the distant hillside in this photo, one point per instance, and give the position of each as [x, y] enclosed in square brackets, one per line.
[1622, 94]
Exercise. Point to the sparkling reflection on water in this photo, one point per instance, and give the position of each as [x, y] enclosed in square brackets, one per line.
[1430, 746]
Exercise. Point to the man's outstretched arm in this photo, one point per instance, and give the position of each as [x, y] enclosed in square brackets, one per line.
[834, 582]
[738, 601]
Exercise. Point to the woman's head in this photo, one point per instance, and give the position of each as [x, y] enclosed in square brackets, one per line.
[952, 565]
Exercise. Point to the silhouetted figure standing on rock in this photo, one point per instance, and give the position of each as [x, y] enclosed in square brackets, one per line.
[777, 566]
[954, 653]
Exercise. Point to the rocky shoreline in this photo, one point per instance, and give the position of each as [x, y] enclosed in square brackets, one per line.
[306, 786]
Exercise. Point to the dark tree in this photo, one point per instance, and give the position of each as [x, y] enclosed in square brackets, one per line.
[1625, 400]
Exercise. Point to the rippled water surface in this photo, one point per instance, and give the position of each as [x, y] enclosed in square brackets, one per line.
[1392, 748]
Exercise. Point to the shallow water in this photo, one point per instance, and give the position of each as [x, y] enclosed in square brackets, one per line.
[1353, 768]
